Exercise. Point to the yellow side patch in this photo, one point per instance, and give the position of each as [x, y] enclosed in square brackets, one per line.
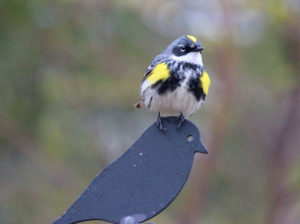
[205, 81]
[194, 39]
[160, 72]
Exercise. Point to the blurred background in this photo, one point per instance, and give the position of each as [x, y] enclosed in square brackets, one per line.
[70, 72]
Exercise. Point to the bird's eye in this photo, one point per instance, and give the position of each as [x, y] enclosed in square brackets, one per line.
[182, 48]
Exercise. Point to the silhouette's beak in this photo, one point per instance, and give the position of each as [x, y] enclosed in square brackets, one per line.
[201, 148]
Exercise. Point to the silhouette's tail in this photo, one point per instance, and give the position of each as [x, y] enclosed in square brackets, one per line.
[69, 217]
[64, 219]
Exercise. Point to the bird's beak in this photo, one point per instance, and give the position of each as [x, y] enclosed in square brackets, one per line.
[198, 48]
[201, 148]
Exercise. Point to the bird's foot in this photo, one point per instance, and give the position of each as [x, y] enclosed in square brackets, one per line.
[159, 123]
[181, 119]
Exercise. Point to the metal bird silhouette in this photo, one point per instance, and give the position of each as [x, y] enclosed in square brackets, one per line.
[143, 181]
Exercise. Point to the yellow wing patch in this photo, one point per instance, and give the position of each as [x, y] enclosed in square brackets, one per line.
[160, 72]
[205, 81]
[194, 39]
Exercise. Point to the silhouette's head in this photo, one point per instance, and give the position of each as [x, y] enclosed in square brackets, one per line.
[187, 134]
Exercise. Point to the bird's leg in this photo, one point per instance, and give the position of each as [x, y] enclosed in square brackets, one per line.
[181, 118]
[159, 123]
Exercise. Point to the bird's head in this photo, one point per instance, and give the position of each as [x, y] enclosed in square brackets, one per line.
[185, 48]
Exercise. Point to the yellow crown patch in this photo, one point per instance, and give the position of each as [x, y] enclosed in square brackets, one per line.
[192, 38]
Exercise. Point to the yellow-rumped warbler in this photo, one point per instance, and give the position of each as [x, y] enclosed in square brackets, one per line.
[176, 82]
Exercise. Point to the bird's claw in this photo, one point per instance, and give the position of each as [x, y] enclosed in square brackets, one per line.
[159, 123]
[181, 119]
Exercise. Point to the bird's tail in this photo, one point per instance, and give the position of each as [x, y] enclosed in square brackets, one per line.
[138, 105]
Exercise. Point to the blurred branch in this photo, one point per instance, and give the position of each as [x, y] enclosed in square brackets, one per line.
[226, 70]
[280, 194]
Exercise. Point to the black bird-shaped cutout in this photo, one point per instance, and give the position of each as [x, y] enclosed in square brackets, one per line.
[144, 180]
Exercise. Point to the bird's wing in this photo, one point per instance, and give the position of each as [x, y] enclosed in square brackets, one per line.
[156, 72]
[157, 60]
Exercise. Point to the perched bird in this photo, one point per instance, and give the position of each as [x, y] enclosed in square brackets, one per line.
[176, 82]
[143, 181]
